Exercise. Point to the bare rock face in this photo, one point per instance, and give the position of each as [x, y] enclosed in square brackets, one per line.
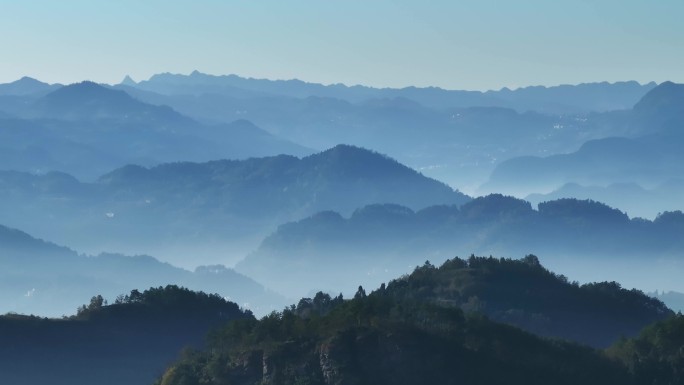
[348, 358]
[268, 373]
[328, 369]
[248, 368]
[338, 359]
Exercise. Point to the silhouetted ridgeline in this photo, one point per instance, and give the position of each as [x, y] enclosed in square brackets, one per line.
[560, 99]
[129, 342]
[380, 241]
[647, 153]
[412, 332]
[525, 294]
[424, 327]
[38, 277]
[639, 201]
[455, 136]
[214, 211]
[661, 109]
[87, 129]
[341, 178]
[27, 86]
[673, 299]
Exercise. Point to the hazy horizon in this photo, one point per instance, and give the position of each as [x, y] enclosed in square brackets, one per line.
[302, 192]
[113, 83]
[391, 43]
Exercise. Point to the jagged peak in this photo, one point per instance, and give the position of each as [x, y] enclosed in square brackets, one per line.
[128, 81]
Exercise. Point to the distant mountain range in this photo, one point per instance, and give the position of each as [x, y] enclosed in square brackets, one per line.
[455, 136]
[37, 277]
[27, 86]
[581, 238]
[649, 155]
[458, 137]
[206, 213]
[208, 171]
[562, 99]
[640, 202]
[197, 183]
[87, 129]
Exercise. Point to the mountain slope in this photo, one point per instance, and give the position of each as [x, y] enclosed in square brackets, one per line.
[38, 277]
[525, 294]
[208, 213]
[662, 109]
[377, 242]
[640, 202]
[382, 339]
[87, 129]
[27, 86]
[340, 178]
[455, 136]
[655, 356]
[91, 101]
[650, 156]
[129, 342]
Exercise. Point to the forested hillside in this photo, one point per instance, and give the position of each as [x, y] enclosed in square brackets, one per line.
[128, 342]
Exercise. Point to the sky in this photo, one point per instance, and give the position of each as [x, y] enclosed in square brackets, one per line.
[453, 44]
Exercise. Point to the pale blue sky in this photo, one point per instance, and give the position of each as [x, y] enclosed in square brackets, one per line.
[473, 44]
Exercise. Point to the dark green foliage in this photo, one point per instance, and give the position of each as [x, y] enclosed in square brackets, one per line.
[523, 293]
[378, 339]
[129, 342]
[164, 302]
[656, 356]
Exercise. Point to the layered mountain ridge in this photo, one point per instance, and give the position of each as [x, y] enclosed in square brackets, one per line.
[38, 277]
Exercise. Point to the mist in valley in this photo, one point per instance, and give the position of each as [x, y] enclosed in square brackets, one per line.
[377, 195]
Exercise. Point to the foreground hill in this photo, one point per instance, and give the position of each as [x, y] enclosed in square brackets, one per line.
[38, 277]
[199, 213]
[585, 239]
[655, 356]
[673, 299]
[525, 294]
[128, 342]
[521, 293]
[428, 327]
[384, 339]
